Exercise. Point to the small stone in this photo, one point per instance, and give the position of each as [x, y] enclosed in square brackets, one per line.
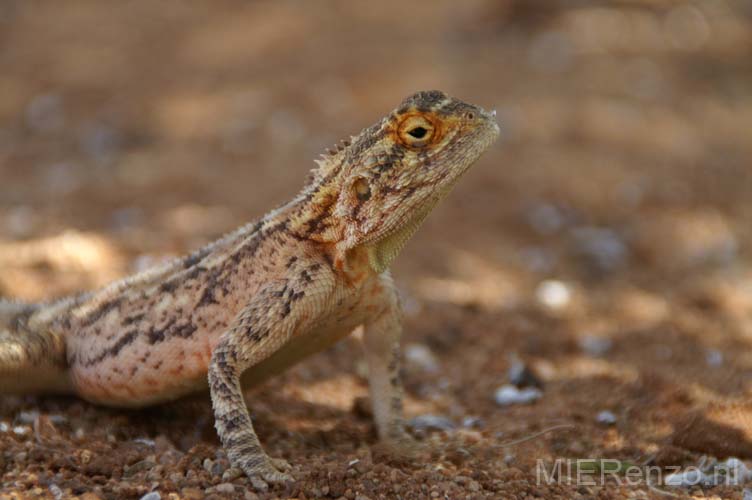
[208, 464]
[545, 218]
[218, 468]
[474, 486]
[747, 494]
[602, 247]
[420, 356]
[473, 422]
[595, 346]
[56, 491]
[509, 395]
[714, 358]
[691, 477]
[225, 488]
[249, 495]
[427, 423]
[520, 375]
[605, 417]
[28, 417]
[362, 497]
[152, 495]
[192, 493]
[553, 294]
[732, 471]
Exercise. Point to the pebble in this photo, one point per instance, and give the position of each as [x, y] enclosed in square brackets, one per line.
[192, 493]
[509, 395]
[152, 495]
[691, 477]
[546, 218]
[56, 491]
[553, 294]
[430, 422]
[421, 357]
[225, 488]
[602, 247]
[714, 358]
[747, 494]
[595, 346]
[473, 422]
[732, 471]
[520, 375]
[27, 417]
[605, 417]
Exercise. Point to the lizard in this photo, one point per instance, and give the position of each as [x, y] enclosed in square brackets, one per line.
[249, 305]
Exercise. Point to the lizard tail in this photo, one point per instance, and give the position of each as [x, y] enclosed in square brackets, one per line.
[32, 358]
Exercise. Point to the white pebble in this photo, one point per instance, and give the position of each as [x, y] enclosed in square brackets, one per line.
[734, 472]
[553, 294]
[509, 395]
[20, 430]
[421, 357]
[152, 495]
[431, 423]
[605, 417]
[691, 477]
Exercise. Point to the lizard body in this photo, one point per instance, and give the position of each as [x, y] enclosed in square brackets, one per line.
[265, 296]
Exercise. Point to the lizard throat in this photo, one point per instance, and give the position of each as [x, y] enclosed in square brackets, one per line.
[382, 252]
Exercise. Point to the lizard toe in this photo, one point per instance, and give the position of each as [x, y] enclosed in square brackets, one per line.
[274, 476]
[281, 464]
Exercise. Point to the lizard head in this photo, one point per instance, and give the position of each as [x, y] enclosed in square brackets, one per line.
[397, 170]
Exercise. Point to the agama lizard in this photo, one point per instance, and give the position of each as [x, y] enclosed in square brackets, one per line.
[265, 296]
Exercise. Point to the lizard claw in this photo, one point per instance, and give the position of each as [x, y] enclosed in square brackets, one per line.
[281, 464]
[273, 475]
[274, 471]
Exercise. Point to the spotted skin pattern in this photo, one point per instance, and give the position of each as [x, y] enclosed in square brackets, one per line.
[260, 299]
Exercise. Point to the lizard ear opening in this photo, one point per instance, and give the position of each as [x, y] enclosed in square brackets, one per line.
[362, 189]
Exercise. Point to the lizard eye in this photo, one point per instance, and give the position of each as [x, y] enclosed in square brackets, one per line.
[416, 131]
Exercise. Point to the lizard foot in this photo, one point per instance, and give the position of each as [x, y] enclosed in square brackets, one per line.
[272, 472]
[403, 446]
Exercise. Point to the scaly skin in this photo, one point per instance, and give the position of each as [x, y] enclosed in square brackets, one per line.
[271, 293]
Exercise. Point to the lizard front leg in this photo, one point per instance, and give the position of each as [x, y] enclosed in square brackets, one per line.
[260, 330]
[382, 345]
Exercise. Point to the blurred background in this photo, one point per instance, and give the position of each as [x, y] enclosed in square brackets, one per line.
[607, 234]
